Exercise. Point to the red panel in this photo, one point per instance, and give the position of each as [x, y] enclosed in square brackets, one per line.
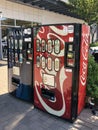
[85, 40]
[59, 79]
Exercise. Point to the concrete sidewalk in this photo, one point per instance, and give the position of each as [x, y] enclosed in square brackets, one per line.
[18, 115]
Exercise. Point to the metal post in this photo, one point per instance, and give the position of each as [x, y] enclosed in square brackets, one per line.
[1, 53]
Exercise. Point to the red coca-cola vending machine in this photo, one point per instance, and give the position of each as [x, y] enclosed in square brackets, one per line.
[60, 68]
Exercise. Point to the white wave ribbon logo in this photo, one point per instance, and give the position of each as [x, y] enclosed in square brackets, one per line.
[62, 77]
[62, 32]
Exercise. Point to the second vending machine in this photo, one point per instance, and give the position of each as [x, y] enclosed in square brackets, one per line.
[60, 68]
[20, 58]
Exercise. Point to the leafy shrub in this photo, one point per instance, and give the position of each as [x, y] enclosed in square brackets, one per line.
[94, 44]
[92, 79]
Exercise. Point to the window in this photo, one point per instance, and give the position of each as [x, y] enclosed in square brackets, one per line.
[7, 21]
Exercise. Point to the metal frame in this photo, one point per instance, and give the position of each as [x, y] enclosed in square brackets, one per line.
[75, 87]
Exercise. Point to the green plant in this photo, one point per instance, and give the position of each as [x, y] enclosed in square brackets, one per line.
[92, 79]
[94, 44]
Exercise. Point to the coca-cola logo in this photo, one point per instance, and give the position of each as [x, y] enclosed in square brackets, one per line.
[84, 52]
[85, 46]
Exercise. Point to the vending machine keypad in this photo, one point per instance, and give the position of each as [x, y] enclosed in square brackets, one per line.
[48, 47]
[69, 55]
[70, 59]
[27, 40]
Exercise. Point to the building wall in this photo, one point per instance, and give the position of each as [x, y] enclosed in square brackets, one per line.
[23, 12]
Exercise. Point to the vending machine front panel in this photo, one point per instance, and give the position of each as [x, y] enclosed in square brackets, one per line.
[20, 63]
[52, 76]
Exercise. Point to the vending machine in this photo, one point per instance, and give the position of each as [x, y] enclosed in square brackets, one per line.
[60, 68]
[20, 50]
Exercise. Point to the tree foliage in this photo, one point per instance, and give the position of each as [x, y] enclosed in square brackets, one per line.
[92, 79]
[86, 9]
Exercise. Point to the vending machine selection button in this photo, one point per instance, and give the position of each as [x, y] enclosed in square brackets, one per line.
[16, 57]
[70, 59]
[20, 44]
[43, 62]
[37, 45]
[49, 63]
[57, 46]
[57, 64]
[16, 44]
[43, 45]
[20, 58]
[38, 61]
[49, 46]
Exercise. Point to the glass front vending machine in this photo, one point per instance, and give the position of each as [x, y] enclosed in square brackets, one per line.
[60, 68]
[20, 50]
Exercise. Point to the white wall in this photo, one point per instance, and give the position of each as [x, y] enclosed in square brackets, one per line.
[22, 12]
